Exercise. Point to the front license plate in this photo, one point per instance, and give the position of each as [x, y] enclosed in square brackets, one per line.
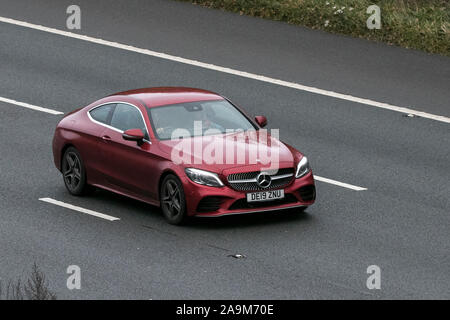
[265, 195]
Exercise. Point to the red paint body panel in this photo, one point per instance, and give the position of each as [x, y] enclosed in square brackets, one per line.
[154, 97]
[136, 170]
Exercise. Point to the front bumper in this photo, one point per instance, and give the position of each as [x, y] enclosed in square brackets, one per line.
[213, 202]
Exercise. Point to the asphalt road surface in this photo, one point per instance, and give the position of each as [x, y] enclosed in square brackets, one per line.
[400, 223]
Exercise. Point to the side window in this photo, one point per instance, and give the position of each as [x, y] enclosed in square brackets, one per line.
[101, 114]
[127, 117]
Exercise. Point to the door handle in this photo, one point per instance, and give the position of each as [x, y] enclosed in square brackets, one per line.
[106, 138]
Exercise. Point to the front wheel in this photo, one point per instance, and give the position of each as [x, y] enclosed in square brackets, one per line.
[74, 173]
[173, 202]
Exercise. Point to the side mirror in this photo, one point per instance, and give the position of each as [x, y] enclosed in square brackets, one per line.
[261, 121]
[134, 135]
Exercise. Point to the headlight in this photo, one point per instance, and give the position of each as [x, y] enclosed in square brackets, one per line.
[302, 168]
[204, 177]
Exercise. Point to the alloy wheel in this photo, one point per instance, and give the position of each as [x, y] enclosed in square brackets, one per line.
[171, 199]
[72, 171]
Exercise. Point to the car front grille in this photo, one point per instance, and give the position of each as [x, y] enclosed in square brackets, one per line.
[246, 181]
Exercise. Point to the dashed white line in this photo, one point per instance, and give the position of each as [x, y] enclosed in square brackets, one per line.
[30, 106]
[340, 184]
[206, 66]
[244, 74]
[79, 209]
[26, 105]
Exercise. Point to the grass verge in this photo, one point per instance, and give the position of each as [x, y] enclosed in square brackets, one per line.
[416, 24]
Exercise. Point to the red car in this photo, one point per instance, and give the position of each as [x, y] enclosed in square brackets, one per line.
[190, 151]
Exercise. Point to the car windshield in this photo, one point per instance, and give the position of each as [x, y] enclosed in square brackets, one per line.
[197, 119]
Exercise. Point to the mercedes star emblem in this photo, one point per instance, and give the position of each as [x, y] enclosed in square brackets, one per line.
[263, 180]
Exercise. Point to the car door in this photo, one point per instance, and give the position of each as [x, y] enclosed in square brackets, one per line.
[129, 165]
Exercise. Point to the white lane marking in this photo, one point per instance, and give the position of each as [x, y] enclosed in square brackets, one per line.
[29, 106]
[79, 209]
[340, 184]
[227, 70]
[26, 105]
[191, 62]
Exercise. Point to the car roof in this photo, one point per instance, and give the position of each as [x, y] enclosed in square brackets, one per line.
[159, 96]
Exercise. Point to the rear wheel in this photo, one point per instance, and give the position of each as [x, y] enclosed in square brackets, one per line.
[74, 173]
[173, 202]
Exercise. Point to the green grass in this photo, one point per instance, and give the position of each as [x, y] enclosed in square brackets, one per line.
[417, 24]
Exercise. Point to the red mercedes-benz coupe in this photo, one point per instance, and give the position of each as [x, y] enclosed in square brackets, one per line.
[190, 151]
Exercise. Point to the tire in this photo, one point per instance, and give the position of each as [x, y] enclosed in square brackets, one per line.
[173, 201]
[74, 172]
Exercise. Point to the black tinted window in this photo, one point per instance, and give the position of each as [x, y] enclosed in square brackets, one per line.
[127, 117]
[101, 113]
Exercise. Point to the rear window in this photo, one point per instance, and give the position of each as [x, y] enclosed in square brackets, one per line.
[101, 114]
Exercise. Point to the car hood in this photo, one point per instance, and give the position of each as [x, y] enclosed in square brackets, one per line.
[228, 153]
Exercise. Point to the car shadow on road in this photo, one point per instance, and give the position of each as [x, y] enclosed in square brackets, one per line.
[250, 220]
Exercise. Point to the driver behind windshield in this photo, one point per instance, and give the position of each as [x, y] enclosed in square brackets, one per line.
[206, 116]
[216, 115]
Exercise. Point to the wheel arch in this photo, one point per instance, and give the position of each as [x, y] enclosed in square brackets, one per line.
[162, 177]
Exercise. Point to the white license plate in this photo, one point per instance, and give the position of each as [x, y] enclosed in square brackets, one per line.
[265, 195]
